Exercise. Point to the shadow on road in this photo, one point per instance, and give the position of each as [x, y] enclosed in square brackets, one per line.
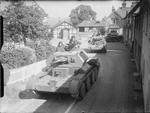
[53, 102]
[28, 94]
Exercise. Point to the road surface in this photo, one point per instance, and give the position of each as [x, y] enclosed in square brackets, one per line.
[112, 92]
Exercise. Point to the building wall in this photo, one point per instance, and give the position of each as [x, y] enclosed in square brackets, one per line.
[84, 35]
[138, 39]
[145, 59]
[71, 30]
[140, 35]
[87, 33]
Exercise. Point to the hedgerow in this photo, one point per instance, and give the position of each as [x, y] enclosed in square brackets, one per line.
[16, 57]
[42, 49]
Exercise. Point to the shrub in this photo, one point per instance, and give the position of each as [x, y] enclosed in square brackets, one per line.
[16, 57]
[42, 49]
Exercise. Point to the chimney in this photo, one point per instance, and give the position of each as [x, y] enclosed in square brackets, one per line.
[124, 4]
[113, 9]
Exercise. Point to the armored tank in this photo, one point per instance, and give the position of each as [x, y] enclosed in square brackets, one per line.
[67, 72]
[95, 44]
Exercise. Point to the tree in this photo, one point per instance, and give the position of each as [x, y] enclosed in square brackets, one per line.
[23, 21]
[81, 13]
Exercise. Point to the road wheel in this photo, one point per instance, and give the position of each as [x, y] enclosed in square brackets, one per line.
[92, 77]
[82, 91]
[88, 84]
[95, 74]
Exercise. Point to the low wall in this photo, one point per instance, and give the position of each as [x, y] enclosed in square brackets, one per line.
[25, 72]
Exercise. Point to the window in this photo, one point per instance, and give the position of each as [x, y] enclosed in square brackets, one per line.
[81, 29]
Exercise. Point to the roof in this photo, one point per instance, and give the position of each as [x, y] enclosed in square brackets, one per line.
[90, 24]
[61, 22]
[135, 9]
[123, 11]
[114, 15]
[54, 22]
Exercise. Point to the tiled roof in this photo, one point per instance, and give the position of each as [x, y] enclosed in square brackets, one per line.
[123, 11]
[54, 22]
[60, 22]
[114, 15]
[135, 9]
[120, 12]
[91, 24]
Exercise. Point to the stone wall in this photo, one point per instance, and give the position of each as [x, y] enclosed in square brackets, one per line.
[24, 73]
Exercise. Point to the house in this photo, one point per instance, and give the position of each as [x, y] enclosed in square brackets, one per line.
[88, 28]
[137, 36]
[63, 31]
[114, 21]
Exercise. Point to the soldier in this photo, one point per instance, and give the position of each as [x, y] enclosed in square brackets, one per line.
[60, 47]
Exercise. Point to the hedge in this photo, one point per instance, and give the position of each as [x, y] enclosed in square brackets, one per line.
[42, 49]
[17, 57]
[14, 57]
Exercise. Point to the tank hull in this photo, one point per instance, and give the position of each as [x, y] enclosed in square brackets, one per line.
[72, 78]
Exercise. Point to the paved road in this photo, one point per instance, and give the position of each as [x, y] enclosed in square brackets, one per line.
[113, 91]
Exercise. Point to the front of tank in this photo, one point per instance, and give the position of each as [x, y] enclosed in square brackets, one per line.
[58, 82]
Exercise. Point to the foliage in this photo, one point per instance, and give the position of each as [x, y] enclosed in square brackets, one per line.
[23, 21]
[16, 57]
[42, 49]
[81, 13]
[8, 46]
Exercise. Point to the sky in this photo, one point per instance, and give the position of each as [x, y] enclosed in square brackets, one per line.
[62, 9]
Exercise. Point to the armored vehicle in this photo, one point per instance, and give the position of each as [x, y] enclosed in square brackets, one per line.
[95, 44]
[67, 72]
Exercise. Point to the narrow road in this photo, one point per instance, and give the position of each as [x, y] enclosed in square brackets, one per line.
[113, 91]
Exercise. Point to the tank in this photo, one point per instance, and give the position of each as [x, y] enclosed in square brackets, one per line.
[95, 44]
[67, 72]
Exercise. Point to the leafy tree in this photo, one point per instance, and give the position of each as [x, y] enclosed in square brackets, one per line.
[81, 13]
[23, 21]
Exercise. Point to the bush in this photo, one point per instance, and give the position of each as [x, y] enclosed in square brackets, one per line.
[42, 49]
[8, 46]
[16, 57]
